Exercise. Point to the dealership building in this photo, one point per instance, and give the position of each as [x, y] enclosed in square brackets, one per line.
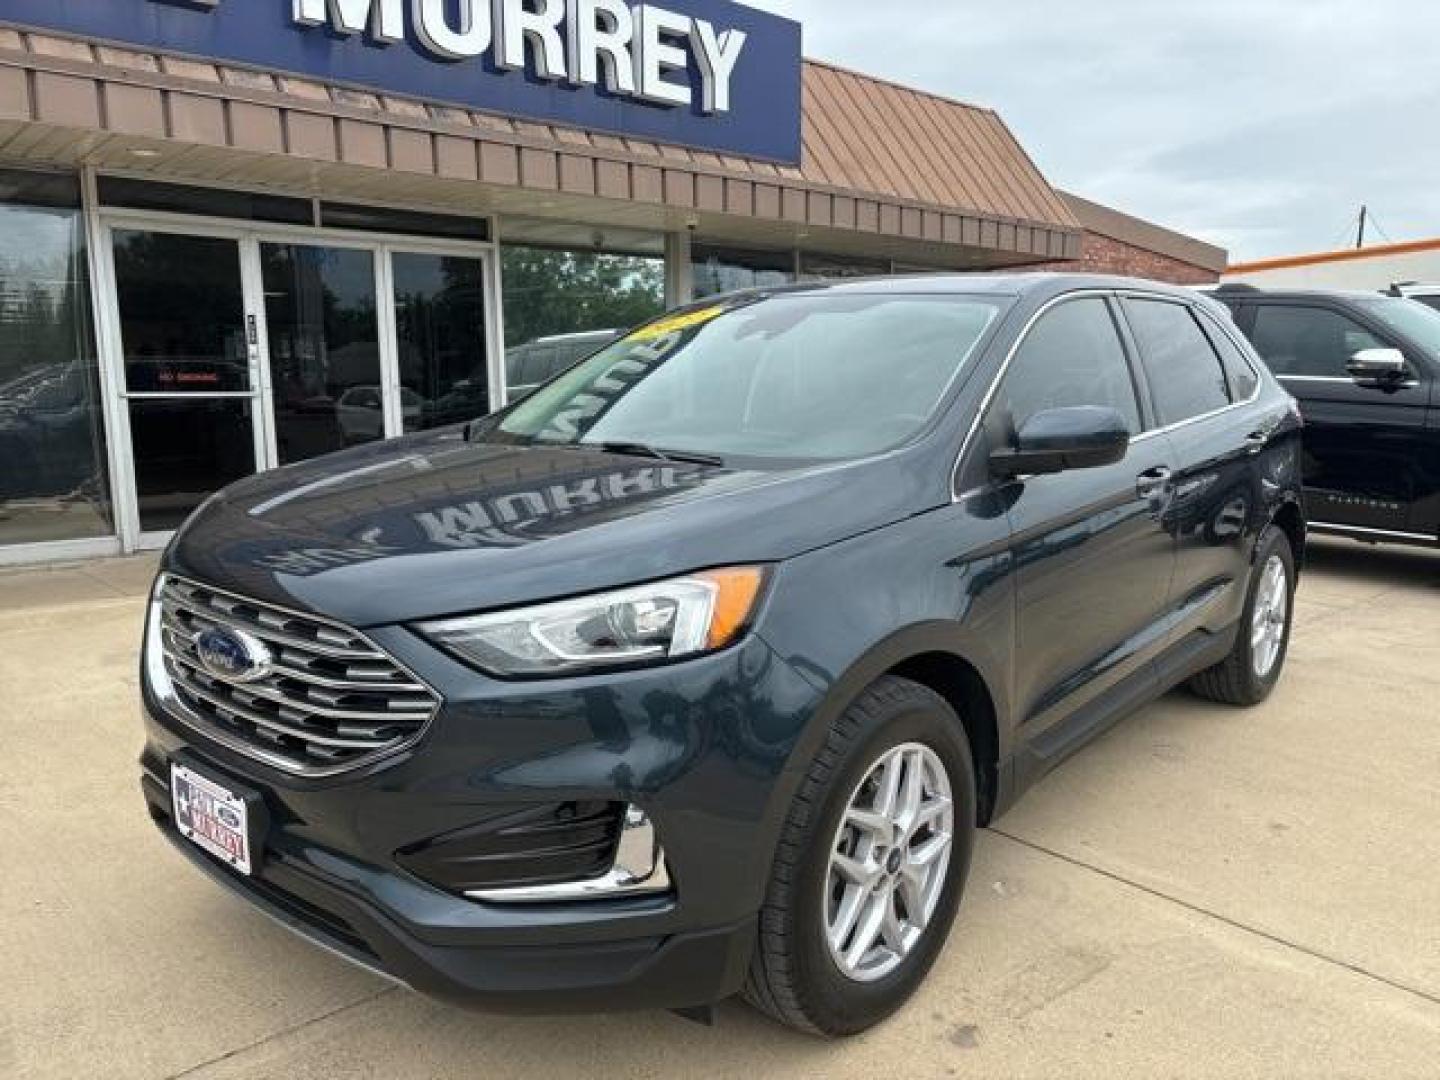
[236, 235]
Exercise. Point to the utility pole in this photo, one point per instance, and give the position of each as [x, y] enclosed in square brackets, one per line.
[1360, 236]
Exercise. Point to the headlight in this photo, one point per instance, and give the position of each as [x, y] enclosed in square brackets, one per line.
[687, 616]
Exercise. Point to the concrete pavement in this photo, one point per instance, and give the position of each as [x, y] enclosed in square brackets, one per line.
[1204, 892]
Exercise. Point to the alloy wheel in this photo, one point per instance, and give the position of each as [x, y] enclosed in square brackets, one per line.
[1270, 617]
[888, 862]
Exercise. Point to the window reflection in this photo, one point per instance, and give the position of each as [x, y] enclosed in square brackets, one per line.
[723, 270]
[440, 323]
[185, 449]
[182, 310]
[52, 443]
[562, 305]
[324, 348]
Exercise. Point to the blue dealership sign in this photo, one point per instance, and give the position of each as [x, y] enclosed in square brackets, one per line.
[710, 74]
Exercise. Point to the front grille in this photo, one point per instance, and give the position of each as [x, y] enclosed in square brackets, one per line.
[331, 701]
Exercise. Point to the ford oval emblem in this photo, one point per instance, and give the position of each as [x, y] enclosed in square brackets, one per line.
[233, 655]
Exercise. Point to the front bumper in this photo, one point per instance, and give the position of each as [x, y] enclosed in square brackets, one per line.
[703, 748]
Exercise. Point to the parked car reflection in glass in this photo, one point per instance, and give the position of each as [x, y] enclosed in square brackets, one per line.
[534, 363]
[45, 432]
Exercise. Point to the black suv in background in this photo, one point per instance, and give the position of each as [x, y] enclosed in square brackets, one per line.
[1366, 370]
[1427, 293]
[695, 672]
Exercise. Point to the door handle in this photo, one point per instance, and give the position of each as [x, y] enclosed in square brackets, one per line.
[1153, 481]
[1257, 441]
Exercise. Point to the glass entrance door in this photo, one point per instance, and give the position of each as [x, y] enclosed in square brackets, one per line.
[190, 360]
[243, 349]
[441, 334]
[322, 333]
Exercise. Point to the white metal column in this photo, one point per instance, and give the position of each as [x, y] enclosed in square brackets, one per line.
[257, 344]
[679, 271]
[111, 361]
[391, 401]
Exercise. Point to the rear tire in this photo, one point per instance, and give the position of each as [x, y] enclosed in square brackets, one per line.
[809, 971]
[1249, 674]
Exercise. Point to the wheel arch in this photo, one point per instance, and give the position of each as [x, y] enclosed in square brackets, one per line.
[962, 686]
[1290, 520]
[940, 657]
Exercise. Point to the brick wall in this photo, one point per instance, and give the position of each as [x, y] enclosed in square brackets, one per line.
[1103, 255]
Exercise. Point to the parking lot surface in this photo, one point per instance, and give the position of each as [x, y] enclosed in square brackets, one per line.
[1203, 892]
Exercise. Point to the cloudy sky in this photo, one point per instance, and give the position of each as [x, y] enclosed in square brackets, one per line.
[1260, 125]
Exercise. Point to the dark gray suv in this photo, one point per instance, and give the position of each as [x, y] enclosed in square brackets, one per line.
[695, 672]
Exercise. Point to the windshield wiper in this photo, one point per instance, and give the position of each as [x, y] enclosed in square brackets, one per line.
[635, 449]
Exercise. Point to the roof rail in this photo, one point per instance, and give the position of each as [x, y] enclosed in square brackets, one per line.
[1237, 287]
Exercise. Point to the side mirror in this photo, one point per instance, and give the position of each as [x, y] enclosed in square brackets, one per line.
[1056, 440]
[1378, 367]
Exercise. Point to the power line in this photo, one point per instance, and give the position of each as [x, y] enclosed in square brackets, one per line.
[1343, 234]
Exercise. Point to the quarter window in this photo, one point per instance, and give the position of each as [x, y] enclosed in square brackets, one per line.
[1072, 356]
[1309, 341]
[1186, 378]
[1243, 377]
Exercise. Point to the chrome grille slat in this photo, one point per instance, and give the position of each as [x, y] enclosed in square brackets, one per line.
[280, 697]
[260, 720]
[332, 700]
[269, 635]
[423, 701]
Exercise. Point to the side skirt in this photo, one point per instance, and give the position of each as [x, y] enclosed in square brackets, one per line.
[1189, 656]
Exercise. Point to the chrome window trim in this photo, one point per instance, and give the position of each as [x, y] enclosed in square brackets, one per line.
[1118, 294]
[1202, 417]
[161, 686]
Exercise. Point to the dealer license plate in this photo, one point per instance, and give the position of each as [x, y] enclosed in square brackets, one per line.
[210, 816]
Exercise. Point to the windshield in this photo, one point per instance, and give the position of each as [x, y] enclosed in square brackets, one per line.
[1421, 324]
[821, 376]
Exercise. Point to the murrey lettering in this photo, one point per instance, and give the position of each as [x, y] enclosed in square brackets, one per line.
[641, 52]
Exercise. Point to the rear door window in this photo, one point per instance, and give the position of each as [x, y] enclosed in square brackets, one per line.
[1185, 375]
[1311, 342]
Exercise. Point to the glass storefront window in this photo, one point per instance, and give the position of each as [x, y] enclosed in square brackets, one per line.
[833, 267]
[561, 305]
[324, 339]
[722, 270]
[53, 483]
[440, 324]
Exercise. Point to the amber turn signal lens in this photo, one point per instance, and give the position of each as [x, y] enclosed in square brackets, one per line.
[738, 592]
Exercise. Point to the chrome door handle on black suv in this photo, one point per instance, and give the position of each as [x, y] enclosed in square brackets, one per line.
[1153, 482]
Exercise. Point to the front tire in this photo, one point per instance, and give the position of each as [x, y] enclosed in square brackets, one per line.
[1249, 674]
[871, 864]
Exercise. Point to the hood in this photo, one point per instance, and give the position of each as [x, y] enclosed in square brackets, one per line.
[433, 525]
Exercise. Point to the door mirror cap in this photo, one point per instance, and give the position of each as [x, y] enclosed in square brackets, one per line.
[1379, 367]
[1057, 440]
